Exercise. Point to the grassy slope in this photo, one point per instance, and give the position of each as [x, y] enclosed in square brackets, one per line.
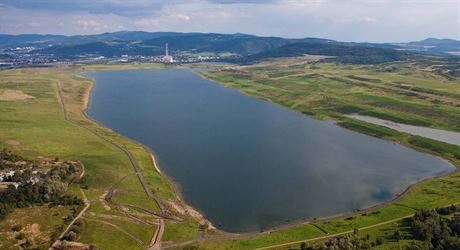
[40, 130]
[327, 91]
[46, 221]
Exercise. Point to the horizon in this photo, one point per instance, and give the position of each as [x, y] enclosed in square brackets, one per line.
[221, 33]
[380, 21]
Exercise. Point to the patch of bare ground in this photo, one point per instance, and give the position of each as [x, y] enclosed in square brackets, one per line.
[30, 233]
[103, 200]
[71, 245]
[188, 210]
[15, 145]
[15, 95]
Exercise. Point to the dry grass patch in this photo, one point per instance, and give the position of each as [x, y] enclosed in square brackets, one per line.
[15, 95]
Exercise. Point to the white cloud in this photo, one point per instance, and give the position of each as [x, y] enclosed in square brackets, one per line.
[182, 17]
[88, 23]
[34, 24]
[350, 20]
[369, 19]
[148, 22]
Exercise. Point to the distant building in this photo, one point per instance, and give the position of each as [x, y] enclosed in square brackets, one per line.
[167, 58]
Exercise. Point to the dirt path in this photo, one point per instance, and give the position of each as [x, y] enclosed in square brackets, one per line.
[148, 191]
[334, 235]
[450, 137]
[82, 212]
[145, 186]
[155, 243]
[343, 233]
[85, 199]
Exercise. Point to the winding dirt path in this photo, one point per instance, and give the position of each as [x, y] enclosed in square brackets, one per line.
[85, 199]
[82, 212]
[159, 233]
[155, 243]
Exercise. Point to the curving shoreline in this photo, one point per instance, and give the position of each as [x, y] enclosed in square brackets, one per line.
[173, 184]
[178, 193]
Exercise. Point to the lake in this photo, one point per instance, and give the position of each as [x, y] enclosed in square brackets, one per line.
[248, 164]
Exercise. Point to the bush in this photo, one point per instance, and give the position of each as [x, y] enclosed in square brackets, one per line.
[70, 236]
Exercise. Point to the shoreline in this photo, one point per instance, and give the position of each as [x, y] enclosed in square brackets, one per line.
[237, 235]
[195, 213]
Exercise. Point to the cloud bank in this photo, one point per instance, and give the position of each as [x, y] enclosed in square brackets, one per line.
[350, 20]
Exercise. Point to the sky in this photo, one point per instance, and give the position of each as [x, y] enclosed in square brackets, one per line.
[344, 20]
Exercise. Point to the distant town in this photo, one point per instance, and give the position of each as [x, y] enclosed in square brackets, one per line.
[30, 56]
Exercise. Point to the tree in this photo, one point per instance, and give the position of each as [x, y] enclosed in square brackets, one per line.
[379, 241]
[70, 236]
[303, 246]
[455, 224]
[397, 235]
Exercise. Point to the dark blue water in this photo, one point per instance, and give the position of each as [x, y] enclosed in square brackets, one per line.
[248, 164]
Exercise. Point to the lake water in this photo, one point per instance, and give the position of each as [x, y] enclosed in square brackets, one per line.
[247, 164]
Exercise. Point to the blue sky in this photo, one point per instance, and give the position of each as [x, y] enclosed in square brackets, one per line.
[347, 20]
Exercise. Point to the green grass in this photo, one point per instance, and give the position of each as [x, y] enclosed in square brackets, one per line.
[293, 234]
[106, 237]
[38, 129]
[181, 231]
[436, 146]
[369, 129]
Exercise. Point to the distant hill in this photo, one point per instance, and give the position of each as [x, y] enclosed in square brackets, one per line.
[15, 40]
[436, 42]
[443, 47]
[50, 40]
[239, 45]
[242, 47]
[343, 53]
[116, 44]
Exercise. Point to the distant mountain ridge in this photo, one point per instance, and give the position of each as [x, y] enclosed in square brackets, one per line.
[443, 47]
[244, 47]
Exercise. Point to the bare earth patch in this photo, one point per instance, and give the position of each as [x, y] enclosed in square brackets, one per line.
[192, 212]
[103, 201]
[15, 95]
[15, 145]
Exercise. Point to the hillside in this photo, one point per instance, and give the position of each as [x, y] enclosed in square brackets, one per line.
[345, 53]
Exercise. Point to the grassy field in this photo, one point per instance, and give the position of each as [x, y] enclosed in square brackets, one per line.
[38, 128]
[404, 93]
